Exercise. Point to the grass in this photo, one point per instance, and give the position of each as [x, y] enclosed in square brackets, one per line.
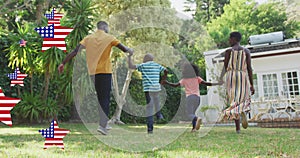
[24, 141]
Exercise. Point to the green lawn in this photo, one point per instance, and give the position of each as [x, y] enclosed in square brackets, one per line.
[21, 141]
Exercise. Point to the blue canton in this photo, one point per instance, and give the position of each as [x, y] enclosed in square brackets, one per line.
[46, 32]
[48, 133]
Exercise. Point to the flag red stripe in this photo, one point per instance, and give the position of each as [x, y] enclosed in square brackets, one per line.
[49, 23]
[5, 119]
[54, 144]
[8, 104]
[60, 134]
[51, 45]
[4, 112]
[46, 50]
[61, 27]
[60, 129]
[54, 20]
[8, 98]
[54, 139]
[54, 39]
[61, 33]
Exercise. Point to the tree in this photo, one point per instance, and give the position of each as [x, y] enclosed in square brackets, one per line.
[206, 10]
[26, 58]
[249, 19]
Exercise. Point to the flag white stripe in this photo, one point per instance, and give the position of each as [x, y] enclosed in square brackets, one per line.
[9, 101]
[63, 30]
[22, 75]
[7, 122]
[47, 146]
[5, 115]
[6, 108]
[58, 136]
[54, 42]
[54, 141]
[61, 132]
[15, 84]
[1, 95]
[60, 36]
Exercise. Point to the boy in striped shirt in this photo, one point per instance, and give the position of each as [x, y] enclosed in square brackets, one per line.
[151, 75]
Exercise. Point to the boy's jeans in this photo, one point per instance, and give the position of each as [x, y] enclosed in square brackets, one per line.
[152, 99]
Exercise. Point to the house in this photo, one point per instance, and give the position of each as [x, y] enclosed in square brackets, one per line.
[276, 69]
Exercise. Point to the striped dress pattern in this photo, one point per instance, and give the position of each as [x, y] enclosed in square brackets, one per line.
[237, 85]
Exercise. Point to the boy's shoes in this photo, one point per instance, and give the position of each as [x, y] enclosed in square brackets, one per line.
[238, 131]
[150, 132]
[102, 130]
[160, 117]
[198, 123]
[161, 121]
[244, 120]
[194, 130]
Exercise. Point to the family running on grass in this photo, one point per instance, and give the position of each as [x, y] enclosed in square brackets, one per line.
[237, 71]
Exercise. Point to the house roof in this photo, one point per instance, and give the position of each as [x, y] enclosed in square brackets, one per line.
[289, 46]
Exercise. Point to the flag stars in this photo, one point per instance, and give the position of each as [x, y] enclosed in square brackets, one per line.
[17, 78]
[22, 43]
[54, 135]
[6, 105]
[54, 34]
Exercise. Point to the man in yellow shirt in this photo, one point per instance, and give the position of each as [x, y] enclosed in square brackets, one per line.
[98, 51]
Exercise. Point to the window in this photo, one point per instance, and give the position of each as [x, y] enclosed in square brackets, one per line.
[270, 86]
[290, 84]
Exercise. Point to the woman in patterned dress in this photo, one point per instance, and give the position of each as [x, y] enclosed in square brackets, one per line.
[239, 81]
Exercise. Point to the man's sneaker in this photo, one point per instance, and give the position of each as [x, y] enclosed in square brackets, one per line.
[102, 130]
[198, 123]
[108, 127]
[244, 120]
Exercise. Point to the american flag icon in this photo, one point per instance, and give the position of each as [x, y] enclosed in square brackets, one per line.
[22, 43]
[54, 35]
[6, 104]
[16, 78]
[54, 135]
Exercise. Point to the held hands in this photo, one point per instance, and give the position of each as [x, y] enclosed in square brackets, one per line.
[130, 52]
[60, 68]
[163, 82]
[221, 82]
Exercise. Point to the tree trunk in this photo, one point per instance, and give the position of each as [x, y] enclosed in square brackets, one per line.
[47, 81]
[19, 91]
[31, 83]
[41, 6]
[120, 99]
